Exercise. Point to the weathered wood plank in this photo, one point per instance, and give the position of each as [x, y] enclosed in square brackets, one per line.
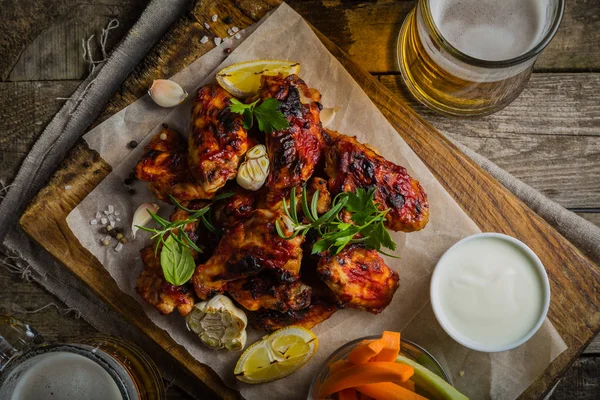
[27, 107]
[594, 217]
[564, 104]
[581, 381]
[368, 32]
[43, 38]
[549, 137]
[17, 294]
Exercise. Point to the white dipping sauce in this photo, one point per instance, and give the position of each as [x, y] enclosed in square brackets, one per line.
[488, 292]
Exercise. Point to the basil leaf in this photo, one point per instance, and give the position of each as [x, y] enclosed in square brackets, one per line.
[177, 262]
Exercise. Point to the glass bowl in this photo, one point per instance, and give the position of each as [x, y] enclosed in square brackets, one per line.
[408, 349]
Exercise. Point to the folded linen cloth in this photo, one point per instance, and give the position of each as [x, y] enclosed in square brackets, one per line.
[70, 123]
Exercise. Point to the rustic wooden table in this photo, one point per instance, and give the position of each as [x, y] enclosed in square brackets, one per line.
[549, 137]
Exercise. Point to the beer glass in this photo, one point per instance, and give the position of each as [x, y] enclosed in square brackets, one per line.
[99, 367]
[473, 57]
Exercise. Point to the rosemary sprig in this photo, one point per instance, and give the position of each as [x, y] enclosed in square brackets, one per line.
[367, 224]
[166, 227]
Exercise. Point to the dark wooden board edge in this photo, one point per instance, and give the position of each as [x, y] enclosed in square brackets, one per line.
[573, 311]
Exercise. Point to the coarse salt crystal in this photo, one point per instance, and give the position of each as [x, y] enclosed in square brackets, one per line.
[118, 219]
[98, 215]
[117, 212]
[204, 39]
[104, 221]
[119, 247]
[105, 212]
[218, 40]
[229, 31]
[111, 209]
[206, 25]
[68, 187]
[93, 222]
[215, 18]
[238, 36]
[235, 29]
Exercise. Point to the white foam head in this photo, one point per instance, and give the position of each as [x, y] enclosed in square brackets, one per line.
[491, 30]
[62, 376]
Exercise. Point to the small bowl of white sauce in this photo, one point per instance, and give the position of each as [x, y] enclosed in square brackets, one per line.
[490, 292]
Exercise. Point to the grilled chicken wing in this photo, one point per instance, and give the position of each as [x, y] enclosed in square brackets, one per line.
[296, 150]
[351, 165]
[229, 212]
[247, 249]
[196, 231]
[265, 292]
[217, 139]
[359, 278]
[156, 291]
[269, 320]
[164, 165]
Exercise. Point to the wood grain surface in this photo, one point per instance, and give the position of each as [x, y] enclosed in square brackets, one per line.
[559, 105]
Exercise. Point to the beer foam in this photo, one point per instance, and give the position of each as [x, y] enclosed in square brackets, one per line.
[64, 376]
[490, 30]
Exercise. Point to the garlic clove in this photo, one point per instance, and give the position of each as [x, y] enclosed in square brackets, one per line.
[141, 216]
[253, 172]
[256, 152]
[327, 115]
[167, 93]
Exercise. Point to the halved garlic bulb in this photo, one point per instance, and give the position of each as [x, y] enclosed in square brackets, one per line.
[167, 93]
[253, 172]
[218, 323]
[141, 216]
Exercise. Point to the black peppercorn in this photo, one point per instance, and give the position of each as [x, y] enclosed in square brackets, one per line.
[133, 144]
[127, 181]
[227, 20]
[131, 192]
[228, 50]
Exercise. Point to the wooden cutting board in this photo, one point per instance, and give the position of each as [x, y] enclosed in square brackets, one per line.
[575, 280]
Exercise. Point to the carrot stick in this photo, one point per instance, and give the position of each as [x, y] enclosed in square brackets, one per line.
[358, 375]
[338, 366]
[366, 350]
[392, 347]
[347, 394]
[388, 391]
[410, 385]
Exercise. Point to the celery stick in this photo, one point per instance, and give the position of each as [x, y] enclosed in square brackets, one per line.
[436, 387]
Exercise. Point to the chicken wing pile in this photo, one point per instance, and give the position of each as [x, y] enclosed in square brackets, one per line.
[278, 281]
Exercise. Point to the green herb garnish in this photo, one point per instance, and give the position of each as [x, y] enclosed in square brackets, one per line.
[334, 233]
[177, 262]
[177, 246]
[167, 227]
[267, 114]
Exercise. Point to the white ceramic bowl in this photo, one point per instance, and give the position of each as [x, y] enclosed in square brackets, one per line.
[461, 338]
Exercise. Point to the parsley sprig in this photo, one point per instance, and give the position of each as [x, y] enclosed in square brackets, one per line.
[267, 114]
[166, 227]
[367, 224]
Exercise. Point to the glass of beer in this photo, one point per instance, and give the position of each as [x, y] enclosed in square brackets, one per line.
[473, 57]
[100, 367]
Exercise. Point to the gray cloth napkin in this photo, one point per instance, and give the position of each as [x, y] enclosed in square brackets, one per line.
[74, 118]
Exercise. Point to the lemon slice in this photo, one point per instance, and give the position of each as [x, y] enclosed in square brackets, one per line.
[243, 79]
[276, 355]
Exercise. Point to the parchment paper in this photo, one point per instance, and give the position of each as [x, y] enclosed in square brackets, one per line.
[285, 35]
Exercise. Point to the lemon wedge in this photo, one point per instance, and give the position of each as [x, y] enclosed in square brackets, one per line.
[276, 355]
[243, 79]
